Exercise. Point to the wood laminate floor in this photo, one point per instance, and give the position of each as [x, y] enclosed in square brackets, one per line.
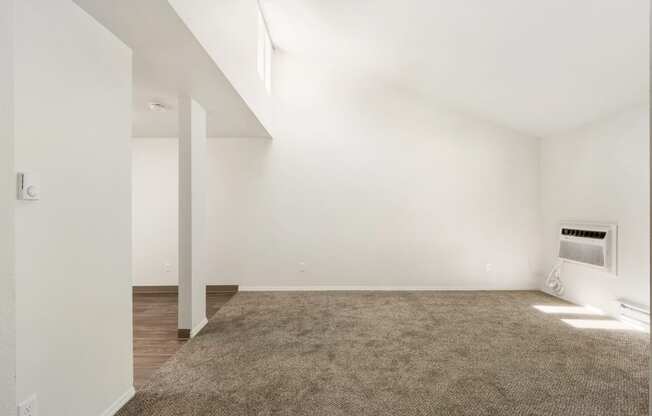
[155, 330]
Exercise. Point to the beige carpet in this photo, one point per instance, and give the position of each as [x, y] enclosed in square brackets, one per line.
[375, 353]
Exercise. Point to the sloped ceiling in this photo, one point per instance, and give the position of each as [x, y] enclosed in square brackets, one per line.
[169, 61]
[538, 67]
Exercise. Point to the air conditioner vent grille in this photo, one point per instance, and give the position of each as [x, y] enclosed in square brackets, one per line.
[582, 253]
[598, 235]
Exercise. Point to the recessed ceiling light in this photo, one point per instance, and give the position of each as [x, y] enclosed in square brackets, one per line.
[157, 107]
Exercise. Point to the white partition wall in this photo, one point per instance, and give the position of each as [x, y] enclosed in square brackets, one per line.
[192, 215]
[7, 282]
[73, 97]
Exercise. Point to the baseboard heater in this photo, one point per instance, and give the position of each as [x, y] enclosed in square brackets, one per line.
[634, 313]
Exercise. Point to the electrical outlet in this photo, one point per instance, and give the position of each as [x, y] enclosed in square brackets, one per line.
[29, 407]
[489, 268]
[167, 267]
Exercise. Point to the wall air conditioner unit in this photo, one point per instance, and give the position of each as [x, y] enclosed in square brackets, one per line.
[594, 245]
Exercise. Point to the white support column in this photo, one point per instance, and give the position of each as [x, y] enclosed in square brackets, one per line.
[192, 216]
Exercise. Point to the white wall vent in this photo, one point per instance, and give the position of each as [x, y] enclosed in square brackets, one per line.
[594, 245]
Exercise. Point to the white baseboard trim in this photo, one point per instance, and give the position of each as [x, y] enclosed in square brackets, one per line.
[196, 330]
[375, 288]
[118, 404]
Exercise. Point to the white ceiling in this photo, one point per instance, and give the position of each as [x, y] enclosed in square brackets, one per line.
[538, 67]
[169, 61]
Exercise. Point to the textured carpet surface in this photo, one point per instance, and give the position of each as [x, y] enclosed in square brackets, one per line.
[407, 353]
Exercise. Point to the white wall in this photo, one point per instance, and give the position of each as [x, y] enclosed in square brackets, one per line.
[73, 249]
[599, 173]
[336, 127]
[424, 201]
[155, 172]
[7, 187]
[363, 185]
